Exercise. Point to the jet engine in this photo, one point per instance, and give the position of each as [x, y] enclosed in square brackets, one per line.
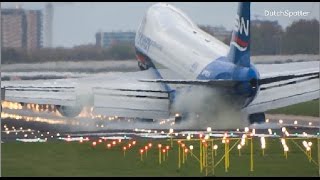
[69, 111]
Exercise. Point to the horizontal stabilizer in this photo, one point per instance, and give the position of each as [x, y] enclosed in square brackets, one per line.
[220, 83]
[269, 80]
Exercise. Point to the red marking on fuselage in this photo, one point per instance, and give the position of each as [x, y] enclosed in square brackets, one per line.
[240, 42]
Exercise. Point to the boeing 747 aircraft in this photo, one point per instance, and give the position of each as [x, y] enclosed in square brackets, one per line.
[194, 66]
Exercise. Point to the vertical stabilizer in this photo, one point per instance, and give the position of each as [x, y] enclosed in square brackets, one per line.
[239, 52]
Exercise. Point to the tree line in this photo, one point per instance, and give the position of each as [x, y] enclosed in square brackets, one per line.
[267, 38]
[119, 51]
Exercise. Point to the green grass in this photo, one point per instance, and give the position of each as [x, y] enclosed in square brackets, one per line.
[310, 108]
[75, 159]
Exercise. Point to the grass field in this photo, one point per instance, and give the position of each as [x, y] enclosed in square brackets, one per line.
[310, 108]
[75, 159]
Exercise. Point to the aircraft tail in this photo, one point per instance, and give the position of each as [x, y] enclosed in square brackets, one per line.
[239, 52]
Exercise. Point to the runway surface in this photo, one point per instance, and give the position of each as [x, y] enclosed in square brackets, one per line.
[42, 130]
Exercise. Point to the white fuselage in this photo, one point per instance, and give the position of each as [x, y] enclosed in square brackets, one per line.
[166, 35]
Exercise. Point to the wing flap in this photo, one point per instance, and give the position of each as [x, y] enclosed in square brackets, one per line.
[285, 95]
[220, 83]
[272, 79]
[40, 95]
[131, 103]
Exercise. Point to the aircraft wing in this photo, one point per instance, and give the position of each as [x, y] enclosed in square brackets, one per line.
[57, 92]
[111, 94]
[301, 84]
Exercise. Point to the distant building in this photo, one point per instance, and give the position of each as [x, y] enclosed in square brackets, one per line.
[48, 24]
[106, 39]
[13, 28]
[34, 29]
[21, 28]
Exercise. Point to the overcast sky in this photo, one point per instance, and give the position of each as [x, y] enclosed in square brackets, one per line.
[76, 23]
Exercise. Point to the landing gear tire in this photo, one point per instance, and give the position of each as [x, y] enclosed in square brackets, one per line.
[257, 118]
[178, 120]
[146, 120]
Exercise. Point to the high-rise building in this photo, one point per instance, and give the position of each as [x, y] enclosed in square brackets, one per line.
[106, 39]
[48, 24]
[34, 29]
[21, 28]
[13, 28]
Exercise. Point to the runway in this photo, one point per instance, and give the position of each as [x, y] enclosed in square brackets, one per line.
[20, 129]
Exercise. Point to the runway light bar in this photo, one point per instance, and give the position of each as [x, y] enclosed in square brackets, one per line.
[287, 134]
[263, 142]
[267, 120]
[170, 130]
[246, 129]
[191, 147]
[188, 137]
[206, 137]
[208, 129]
[295, 122]
[280, 121]
[239, 146]
[215, 147]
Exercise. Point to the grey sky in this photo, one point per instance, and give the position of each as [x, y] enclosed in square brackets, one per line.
[77, 23]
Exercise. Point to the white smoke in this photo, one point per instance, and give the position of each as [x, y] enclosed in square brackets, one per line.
[214, 109]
